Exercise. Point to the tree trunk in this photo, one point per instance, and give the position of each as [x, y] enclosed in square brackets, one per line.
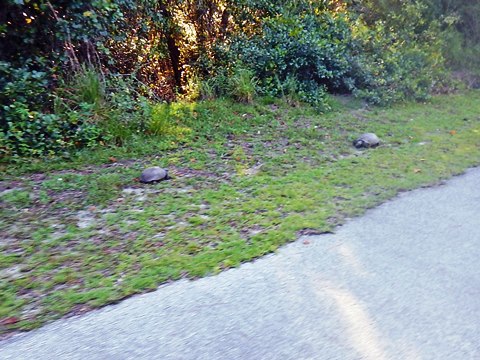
[173, 50]
[224, 22]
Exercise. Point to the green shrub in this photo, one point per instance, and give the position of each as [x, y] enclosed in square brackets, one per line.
[382, 51]
[111, 103]
[207, 89]
[128, 110]
[23, 85]
[306, 46]
[31, 133]
[82, 92]
[312, 49]
[460, 53]
[27, 128]
[396, 57]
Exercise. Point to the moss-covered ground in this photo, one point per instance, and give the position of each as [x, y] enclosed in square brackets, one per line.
[82, 232]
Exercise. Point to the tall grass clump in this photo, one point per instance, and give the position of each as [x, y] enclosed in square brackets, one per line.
[167, 119]
[243, 85]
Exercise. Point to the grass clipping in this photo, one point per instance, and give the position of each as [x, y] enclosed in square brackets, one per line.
[247, 179]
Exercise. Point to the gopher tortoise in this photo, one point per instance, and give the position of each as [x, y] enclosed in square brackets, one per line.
[153, 174]
[367, 140]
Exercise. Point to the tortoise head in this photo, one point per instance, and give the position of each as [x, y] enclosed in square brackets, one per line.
[359, 143]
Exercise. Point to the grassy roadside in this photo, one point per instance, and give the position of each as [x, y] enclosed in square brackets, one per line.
[82, 233]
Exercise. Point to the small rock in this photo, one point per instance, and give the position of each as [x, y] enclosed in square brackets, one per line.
[12, 273]
[85, 218]
[134, 191]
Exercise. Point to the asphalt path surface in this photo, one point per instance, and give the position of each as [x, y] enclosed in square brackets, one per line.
[400, 282]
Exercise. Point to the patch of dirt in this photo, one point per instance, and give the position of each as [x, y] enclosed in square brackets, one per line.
[85, 219]
[360, 114]
[192, 173]
[7, 186]
[304, 122]
[67, 196]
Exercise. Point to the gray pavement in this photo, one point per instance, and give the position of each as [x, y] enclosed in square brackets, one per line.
[401, 282]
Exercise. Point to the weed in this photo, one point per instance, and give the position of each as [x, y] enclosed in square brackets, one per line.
[89, 87]
[243, 84]
[165, 120]
[17, 198]
[208, 89]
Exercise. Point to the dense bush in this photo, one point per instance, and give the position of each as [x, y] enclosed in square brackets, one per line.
[26, 125]
[304, 52]
[396, 55]
[76, 73]
[383, 57]
[307, 47]
[456, 22]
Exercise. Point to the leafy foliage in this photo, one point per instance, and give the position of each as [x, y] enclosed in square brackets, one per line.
[307, 49]
[99, 64]
[25, 130]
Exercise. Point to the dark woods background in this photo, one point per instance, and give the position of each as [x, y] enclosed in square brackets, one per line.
[78, 73]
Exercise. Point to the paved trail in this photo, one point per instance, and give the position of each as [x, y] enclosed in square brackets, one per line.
[401, 282]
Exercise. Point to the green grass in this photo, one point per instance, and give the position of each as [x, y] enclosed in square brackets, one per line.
[81, 233]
